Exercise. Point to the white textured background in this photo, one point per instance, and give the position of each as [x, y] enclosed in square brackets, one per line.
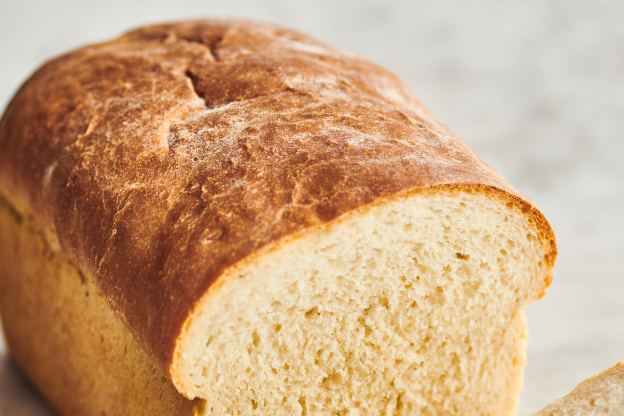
[535, 87]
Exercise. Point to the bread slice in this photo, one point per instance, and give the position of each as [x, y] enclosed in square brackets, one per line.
[280, 226]
[599, 395]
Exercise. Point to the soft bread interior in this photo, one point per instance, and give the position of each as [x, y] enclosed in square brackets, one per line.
[413, 306]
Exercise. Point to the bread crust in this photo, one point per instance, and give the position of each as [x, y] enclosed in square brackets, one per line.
[163, 158]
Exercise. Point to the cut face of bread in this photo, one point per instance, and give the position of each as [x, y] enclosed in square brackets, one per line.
[413, 306]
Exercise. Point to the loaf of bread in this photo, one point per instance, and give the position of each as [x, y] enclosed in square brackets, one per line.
[221, 217]
[599, 395]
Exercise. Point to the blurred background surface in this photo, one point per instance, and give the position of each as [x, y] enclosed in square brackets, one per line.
[535, 87]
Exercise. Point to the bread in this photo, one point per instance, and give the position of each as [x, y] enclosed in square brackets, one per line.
[600, 394]
[241, 215]
[64, 336]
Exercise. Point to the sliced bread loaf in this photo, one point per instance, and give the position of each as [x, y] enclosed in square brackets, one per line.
[280, 226]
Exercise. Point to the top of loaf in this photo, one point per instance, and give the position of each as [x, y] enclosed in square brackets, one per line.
[162, 158]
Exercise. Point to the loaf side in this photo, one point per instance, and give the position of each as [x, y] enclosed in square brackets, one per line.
[64, 337]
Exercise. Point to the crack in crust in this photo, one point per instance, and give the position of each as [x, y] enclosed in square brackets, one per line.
[193, 80]
[173, 134]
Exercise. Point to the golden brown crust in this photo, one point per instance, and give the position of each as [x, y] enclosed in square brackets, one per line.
[166, 156]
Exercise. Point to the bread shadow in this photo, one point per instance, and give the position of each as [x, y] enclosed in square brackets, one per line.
[18, 397]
